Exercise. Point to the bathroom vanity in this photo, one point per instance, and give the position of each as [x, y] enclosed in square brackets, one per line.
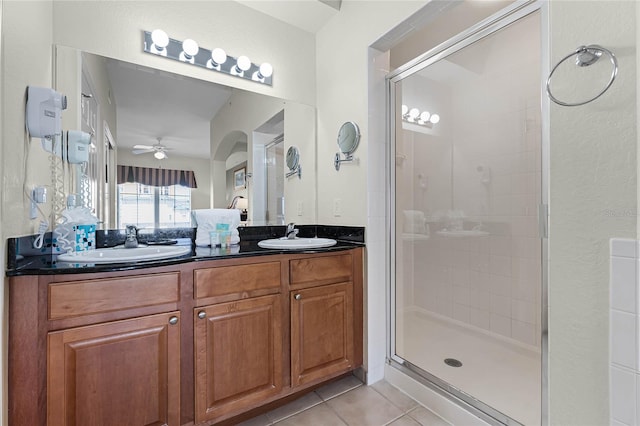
[199, 341]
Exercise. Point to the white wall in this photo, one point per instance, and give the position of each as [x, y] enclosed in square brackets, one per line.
[200, 166]
[249, 112]
[592, 190]
[343, 65]
[114, 29]
[342, 93]
[22, 35]
[26, 27]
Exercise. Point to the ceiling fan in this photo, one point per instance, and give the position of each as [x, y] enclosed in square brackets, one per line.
[157, 149]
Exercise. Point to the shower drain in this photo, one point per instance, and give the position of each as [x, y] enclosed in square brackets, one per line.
[451, 362]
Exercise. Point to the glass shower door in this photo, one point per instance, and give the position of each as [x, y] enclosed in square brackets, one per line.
[274, 155]
[468, 254]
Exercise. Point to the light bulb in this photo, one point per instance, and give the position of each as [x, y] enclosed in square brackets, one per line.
[159, 42]
[190, 48]
[160, 39]
[405, 109]
[424, 117]
[414, 113]
[243, 63]
[435, 118]
[266, 69]
[160, 155]
[219, 56]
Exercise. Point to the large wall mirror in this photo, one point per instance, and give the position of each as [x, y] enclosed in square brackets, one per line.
[152, 127]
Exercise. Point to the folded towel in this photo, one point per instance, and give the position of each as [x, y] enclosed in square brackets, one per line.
[207, 219]
[414, 222]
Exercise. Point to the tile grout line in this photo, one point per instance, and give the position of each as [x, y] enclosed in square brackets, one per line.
[396, 418]
[429, 410]
[334, 396]
[342, 393]
[297, 412]
[322, 401]
[336, 413]
[392, 403]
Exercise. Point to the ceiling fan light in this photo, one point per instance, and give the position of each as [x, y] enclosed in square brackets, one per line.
[160, 155]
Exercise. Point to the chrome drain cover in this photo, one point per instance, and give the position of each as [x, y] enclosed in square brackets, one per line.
[451, 362]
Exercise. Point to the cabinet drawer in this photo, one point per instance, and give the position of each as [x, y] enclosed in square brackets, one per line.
[224, 280]
[77, 298]
[321, 270]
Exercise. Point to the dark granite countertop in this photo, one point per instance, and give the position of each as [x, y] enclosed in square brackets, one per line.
[29, 261]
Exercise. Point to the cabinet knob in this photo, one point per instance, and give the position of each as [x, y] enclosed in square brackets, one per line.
[202, 314]
[173, 320]
[297, 296]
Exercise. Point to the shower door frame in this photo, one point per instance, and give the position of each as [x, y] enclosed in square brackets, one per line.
[488, 26]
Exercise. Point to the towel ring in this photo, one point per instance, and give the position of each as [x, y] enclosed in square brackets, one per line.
[585, 56]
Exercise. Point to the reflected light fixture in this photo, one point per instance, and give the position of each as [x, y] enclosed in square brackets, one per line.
[242, 204]
[424, 118]
[413, 114]
[158, 43]
[160, 155]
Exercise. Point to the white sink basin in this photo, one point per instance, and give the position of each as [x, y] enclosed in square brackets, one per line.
[297, 243]
[123, 255]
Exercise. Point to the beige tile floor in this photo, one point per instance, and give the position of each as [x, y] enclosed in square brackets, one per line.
[348, 402]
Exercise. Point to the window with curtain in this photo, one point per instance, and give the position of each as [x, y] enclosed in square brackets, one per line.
[159, 198]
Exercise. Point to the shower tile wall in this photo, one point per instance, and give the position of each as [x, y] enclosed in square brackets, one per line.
[624, 320]
[483, 159]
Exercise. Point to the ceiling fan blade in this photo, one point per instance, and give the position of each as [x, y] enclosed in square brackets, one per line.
[142, 147]
[141, 151]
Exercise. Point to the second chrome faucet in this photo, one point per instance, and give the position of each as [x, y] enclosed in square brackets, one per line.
[291, 231]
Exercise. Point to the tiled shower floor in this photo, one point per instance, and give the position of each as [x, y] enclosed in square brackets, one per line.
[349, 402]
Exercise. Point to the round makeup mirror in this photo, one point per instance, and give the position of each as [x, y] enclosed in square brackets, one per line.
[348, 138]
[293, 157]
[293, 162]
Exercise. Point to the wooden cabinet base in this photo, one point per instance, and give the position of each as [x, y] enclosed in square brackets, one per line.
[200, 343]
[120, 373]
[238, 356]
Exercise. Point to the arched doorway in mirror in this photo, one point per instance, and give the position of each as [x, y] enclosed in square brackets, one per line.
[229, 169]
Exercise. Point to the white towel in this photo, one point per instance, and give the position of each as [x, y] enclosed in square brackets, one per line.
[414, 222]
[207, 219]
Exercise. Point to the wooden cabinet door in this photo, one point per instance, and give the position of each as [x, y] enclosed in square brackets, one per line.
[321, 332]
[238, 355]
[118, 373]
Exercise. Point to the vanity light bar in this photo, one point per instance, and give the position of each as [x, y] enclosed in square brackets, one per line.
[424, 118]
[188, 51]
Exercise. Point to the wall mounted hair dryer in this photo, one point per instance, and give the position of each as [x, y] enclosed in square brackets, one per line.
[44, 109]
[77, 145]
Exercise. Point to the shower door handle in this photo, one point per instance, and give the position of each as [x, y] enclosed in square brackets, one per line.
[543, 220]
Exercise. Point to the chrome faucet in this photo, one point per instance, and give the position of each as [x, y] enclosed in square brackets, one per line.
[291, 231]
[131, 236]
